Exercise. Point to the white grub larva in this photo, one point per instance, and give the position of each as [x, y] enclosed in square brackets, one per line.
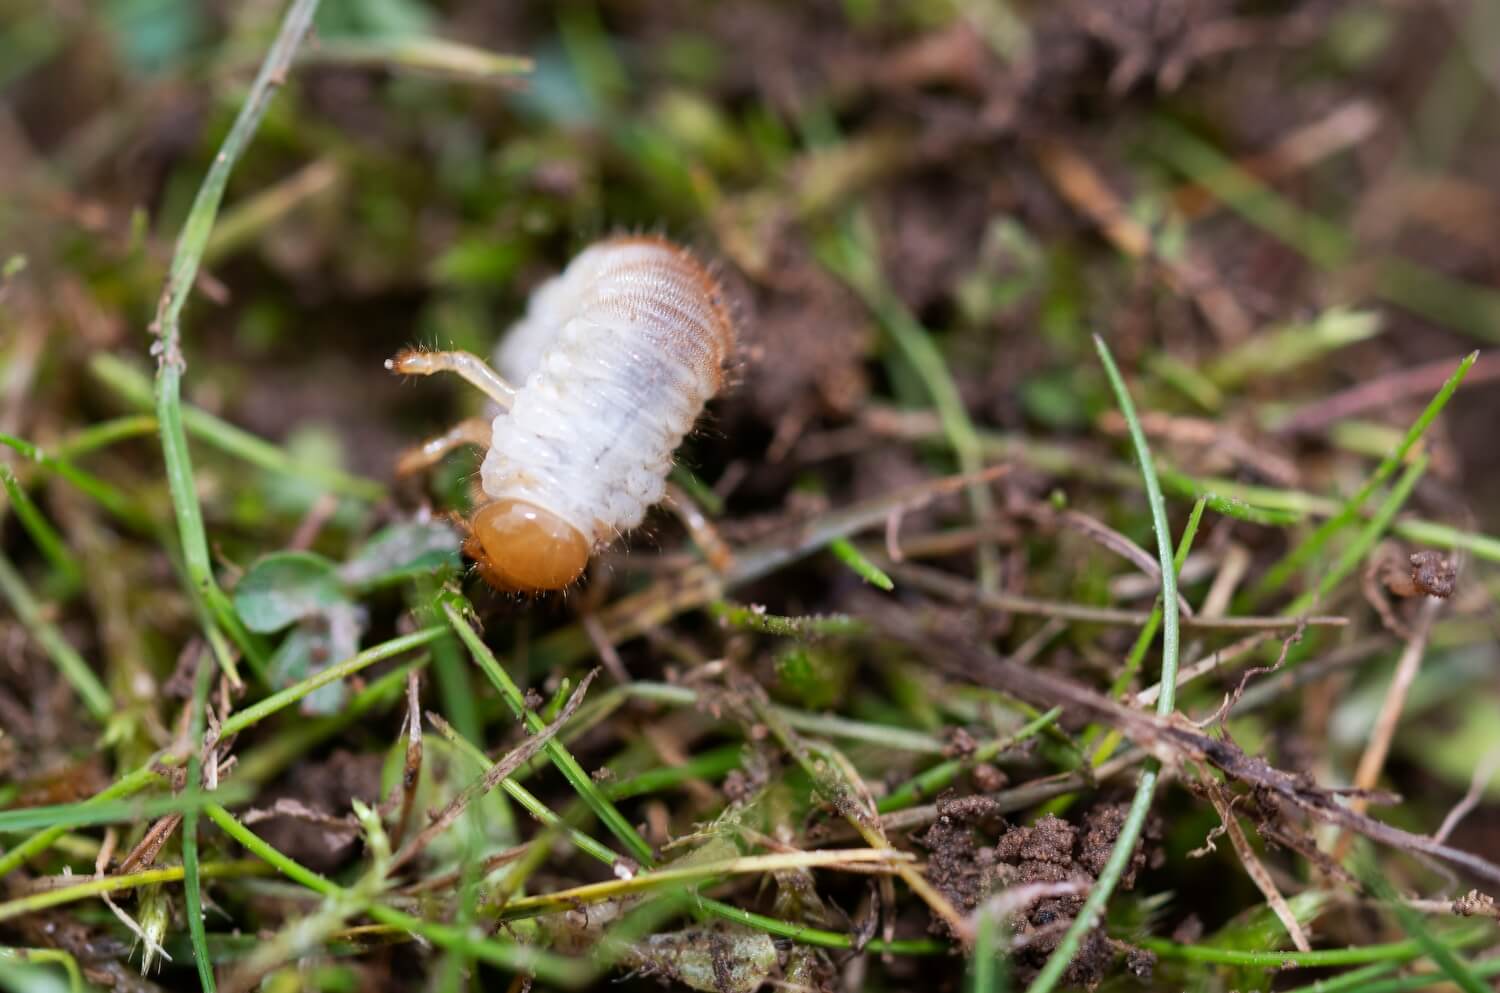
[613, 362]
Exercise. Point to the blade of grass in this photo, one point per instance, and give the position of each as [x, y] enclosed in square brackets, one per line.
[1441, 954]
[528, 800]
[1143, 641]
[712, 764]
[55, 827]
[986, 974]
[1319, 958]
[823, 939]
[1260, 504]
[1371, 533]
[756, 619]
[1483, 969]
[556, 751]
[166, 325]
[133, 386]
[191, 882]
[844, 253]
[56, 897]
[844, 550]
[106, 495]
[282, 699]
[42, 955]
[117, 811]
[1135, 819]
[934, 780]
[70, 664]
[1426, 292]
[515, 957]
[1313, 544]
[43, 534]
[424, 55]
[106, 433]
[294, 740]
[613, 889]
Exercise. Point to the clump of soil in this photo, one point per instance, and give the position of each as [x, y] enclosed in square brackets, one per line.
[976, 854]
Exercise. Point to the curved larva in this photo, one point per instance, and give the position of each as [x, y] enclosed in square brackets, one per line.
[613, 363]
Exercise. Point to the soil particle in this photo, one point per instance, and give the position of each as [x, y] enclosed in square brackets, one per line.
[1101, 828]
[1049, 840]
[988, 779]
[958, 866]
[967, 870]
[1141, 963]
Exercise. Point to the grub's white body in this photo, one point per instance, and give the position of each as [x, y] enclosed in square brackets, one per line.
[613, 363]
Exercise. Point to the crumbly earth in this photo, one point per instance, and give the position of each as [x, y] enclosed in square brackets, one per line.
[973, 854]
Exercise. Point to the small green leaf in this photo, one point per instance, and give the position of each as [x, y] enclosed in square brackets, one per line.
[401, 550]
[284, 587]
[313, 645]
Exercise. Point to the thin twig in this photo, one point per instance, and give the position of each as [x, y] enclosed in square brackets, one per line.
[1367, 773]
[1224, 804]
[500, 770]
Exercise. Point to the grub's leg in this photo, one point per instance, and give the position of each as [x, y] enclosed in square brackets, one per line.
[700, 529]
[471, 431]
[413, 362]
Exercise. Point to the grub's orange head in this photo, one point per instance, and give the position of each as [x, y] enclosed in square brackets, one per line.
[522, 548]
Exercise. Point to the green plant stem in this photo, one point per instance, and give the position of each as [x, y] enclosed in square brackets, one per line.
[1483, 969]
[1429, 293]
[826, 725]
[32, 902]
[851, 261]
[106, 433]
[70, 664]
[240, 720]
[1308, 548]
[132, 782]
[1441, 952]
[1350, 558]
[1135, 819]
[846, 552]
[106, 495]
[712, 764]
[529, 802]
[556, 751]
[47, 540]
[515, 957]
[1394, 951]
[167, 325]
[133, 386]
[820, 938]
[754, 619]
[191, 882]
[932, 781]
[44, 955]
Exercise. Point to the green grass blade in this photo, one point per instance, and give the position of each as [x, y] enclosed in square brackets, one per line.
[192, 884]
[106, 495]
[556, 751]
[47, 540]
[1314, 543]
[133, 386]
[1368, 535]
[186, 257]
[1439, 951]
[282, 699]
[844, 550]
[1140, 805]
[63, 655]
[844, 253]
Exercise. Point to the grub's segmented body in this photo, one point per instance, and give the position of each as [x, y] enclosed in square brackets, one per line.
[613, 363]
